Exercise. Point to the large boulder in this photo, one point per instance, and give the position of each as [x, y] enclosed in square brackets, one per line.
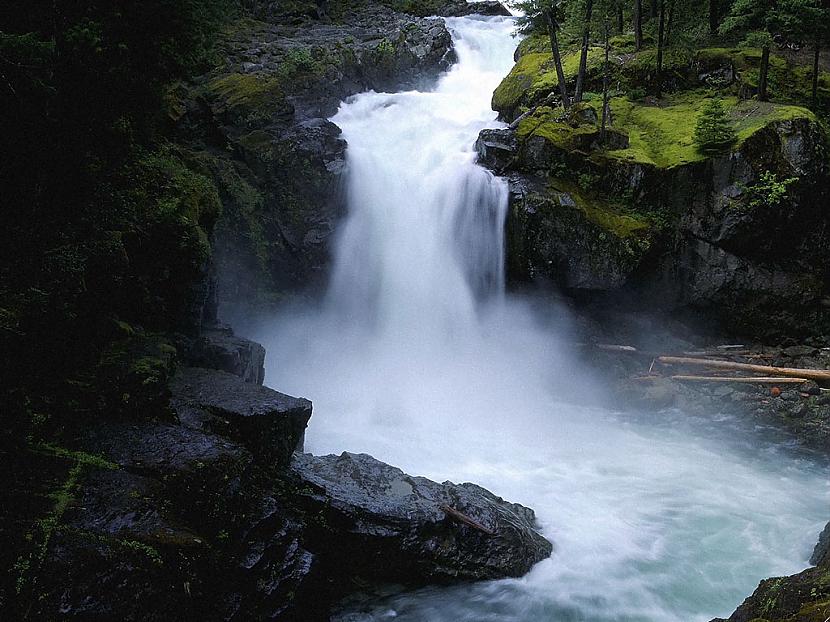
[385, 526]
[269, 424]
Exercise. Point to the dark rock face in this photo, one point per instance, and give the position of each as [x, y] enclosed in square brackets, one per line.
[260, 123]
[175, 523]
[821, 554]
[691, 243]
[270, 424]
[218, 348]
[801, 597]
[458, 8]
[390, 527]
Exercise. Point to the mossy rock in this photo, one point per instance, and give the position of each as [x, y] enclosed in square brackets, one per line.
[249, 100]
[576, 238]
[804, 597]
[134, 374]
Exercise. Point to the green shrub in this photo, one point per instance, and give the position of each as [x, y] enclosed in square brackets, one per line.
[714, 132]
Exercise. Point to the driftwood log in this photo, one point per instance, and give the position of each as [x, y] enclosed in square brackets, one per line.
[819, 375]
[466, 520]
[741, 379]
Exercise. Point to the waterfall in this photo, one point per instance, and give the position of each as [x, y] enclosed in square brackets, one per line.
[419, 358]
[423, 246]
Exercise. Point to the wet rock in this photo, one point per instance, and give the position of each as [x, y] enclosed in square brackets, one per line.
[821, 553]
[389, 527]
[803, 596]
[459, 8]
[261, 122]
[196, 467]
[810, 388]
[218, 348]
[269, 424]
[496, 148]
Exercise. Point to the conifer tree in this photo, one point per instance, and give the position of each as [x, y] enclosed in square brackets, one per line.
[714, 132]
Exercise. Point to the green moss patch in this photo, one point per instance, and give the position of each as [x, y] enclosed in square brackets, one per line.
[612, 217]
[661, 134]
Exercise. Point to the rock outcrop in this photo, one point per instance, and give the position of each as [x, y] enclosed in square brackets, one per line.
[258, 125]
[270, 424]
[803, 597]
[643, 219]
[390, 527]
[215, 517]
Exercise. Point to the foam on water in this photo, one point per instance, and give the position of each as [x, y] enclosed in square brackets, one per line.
[419, 358]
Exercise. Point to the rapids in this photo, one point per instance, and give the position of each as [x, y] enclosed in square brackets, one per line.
[418, 357]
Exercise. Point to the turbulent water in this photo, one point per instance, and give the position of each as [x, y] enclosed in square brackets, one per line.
[418, 358]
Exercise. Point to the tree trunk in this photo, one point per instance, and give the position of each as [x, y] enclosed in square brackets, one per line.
[583, 56]
[713, 17]
[814, 94]
[661, 31]
[550, 20]
[620, 18]
[669, 23]
[653, 12]
[605, 81]
[638, 24]
[763, 73]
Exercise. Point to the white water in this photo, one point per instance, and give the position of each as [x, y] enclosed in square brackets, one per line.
[418, 358]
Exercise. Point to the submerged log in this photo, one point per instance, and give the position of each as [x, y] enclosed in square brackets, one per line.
[819, 375]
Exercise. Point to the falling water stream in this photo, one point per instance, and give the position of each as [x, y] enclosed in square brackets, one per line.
[419, 358]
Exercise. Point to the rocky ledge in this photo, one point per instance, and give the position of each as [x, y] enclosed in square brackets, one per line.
[215, 515]
[258, 125]
[803, 597]
[391, 527]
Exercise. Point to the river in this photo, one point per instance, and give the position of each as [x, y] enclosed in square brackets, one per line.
[419, 357]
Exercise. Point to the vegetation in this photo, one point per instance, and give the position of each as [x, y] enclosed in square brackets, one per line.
[714, 132]
[104, 223]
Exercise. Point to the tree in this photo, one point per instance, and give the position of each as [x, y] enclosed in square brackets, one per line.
[807, 20]
[638, 24]
[606, 71]
[753, 17]
[543, 15]
[714, 132]
[583, 55]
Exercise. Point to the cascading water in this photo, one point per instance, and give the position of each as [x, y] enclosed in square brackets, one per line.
[419, 359]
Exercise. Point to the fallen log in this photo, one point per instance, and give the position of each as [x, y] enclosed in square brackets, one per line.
[463, 518]
[819, 375]
[742, 379]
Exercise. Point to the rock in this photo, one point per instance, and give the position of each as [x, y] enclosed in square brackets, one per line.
[821, 553]
[458, 8]
[389, 527]
[810, 388]
[496, 148]
[803, 596]
[794, 351]
[260, 122]
[271, 425]
[195, 466]
[218, 348]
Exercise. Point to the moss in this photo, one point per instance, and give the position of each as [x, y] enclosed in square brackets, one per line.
[144, 549]
[661, 135]
[80, 457]
[28, 565]
[250, 99]
[610, 216]
[534, 77]
[549, 124]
